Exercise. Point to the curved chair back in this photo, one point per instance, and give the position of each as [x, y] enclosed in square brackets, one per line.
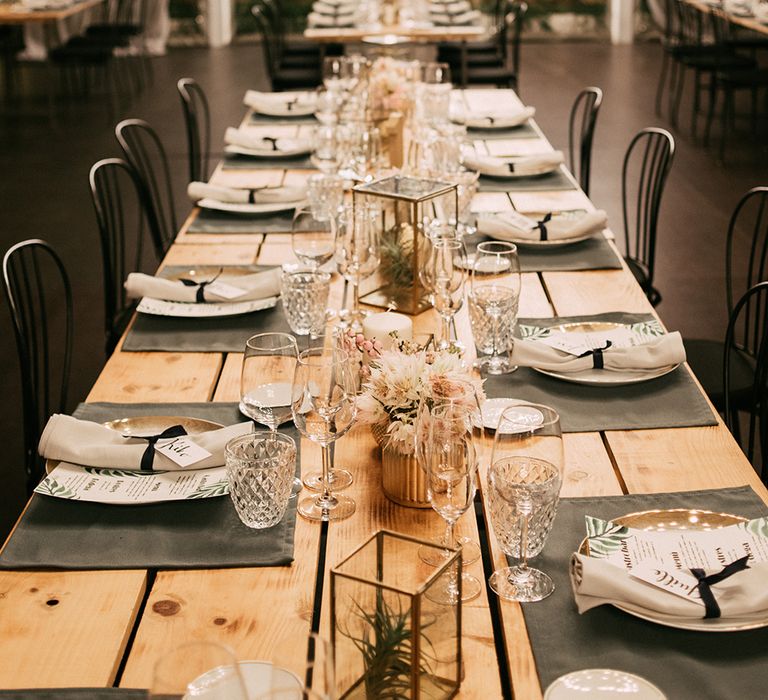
[37, 287]
[749, 318]
[646, 166]
[581, 130]
[121, 207]
[510, 36]
[145, 153]
[197, 119]
[269, 45]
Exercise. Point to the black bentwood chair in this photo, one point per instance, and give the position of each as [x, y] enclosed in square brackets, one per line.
[746, 264]
[197, 120]
[37, 287]
[145, 153]
[124, 217]
[747, 332]
[647, 163]
[581, 130]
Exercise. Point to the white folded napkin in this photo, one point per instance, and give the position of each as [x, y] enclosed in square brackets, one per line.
[259, 285]
[325, 8]
[315, 19]
[264, 145]
[84, 443]
[46, 4]
[258, 195]
[462, 18]
[597, 582]
[513, 226]
[281, 104]
[449, 8]
[536, 164]
[495, 119]
[663, 351]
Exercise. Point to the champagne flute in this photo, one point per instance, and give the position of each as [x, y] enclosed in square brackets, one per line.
[203, 670]
[266, 380]
[323, 406]
[493, 302]
[434, 397]
[357, 252]
[524, 481]
[444, 274]
[451, 460]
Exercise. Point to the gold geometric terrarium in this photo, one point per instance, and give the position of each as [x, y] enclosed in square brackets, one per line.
[410, 206]
[395, 630]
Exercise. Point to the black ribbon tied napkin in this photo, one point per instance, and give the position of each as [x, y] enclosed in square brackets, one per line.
[200, 295]
[148, 458]
[597, 355]
[707, 596]
[542, 226]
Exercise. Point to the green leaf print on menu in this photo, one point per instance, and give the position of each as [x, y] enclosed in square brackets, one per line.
[533, 332]
[51, 487]
[758, 526]
[604, 536]
[217, 488]
[116, 472]
[647, 330]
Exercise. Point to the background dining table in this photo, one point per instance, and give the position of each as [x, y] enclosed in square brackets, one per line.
[63, 628]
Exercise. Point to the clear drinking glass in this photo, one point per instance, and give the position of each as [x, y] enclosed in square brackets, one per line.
[451, 460]
[203, 670]
[326, 195]
[326, 156]
[357, 252]
[313, 237]
[493, 302]
[266, 378]
[466, 183]
[261, 467]
[524, 481]
[323, 408]
[332, 78]
[305, 299]
[319, 677]
[444, 274]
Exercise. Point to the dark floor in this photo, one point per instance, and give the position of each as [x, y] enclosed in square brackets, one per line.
[44, 188]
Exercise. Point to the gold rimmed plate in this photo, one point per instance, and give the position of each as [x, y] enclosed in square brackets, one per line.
[683, 519]
[601, 377]
[144, 426]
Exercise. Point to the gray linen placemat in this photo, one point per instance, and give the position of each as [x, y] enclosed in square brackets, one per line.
[197, 534]
[237, 162]
[555, 181]
[524, 131]
[210, 221]
[671, 401]
[224, 334]
[74, 694]
[697, 665]
[593, 254]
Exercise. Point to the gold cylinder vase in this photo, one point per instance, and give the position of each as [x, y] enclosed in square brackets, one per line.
[402, 479]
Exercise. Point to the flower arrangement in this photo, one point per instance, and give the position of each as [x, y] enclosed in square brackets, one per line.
[398, 381]
[389, 86]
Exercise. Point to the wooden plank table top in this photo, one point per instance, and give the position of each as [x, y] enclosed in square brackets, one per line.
[16, 13]
[395, 34]
[267, 612]
[748, 22]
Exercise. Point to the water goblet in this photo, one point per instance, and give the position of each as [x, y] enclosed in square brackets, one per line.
[451, 460]
[312, 237]
[305, 299]
[493, 302]
[357, 252]
[444, 274]
[524, 481]
[323, 406]
[203, 670]
[332, 78]
[326, 155]
[326, 194]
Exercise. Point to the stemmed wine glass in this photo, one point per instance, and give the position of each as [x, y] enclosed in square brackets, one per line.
[450, 392]
[266, 378]
[524, 481]
[357, 252]
[451, 460]
[323, 407]
[444, 274]
[203, 670]
[312, 237]
[493, 302]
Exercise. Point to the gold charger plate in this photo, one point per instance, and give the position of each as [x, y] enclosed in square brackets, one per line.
[142, 426]
[683, 519]
[601, 377]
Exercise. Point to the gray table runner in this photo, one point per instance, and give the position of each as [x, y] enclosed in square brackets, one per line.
[74, 694]
[671, 401]
[198, 534]
[212, 221]
[237, 162]
[555, 181]
[223, 334]
[524, 131]
[593, 254]
[683, 664]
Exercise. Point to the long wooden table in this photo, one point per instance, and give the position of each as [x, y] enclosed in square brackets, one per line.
[750, 22]
[98, 628]
[16, 13]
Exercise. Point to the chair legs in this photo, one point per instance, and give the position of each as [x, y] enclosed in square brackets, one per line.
[662, 81]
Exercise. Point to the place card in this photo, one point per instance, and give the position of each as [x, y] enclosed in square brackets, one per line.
[224, 290]
[580, 343]
[182, 450]
[125, 487]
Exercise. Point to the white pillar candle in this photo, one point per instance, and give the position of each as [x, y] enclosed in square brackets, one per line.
[379, 327]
